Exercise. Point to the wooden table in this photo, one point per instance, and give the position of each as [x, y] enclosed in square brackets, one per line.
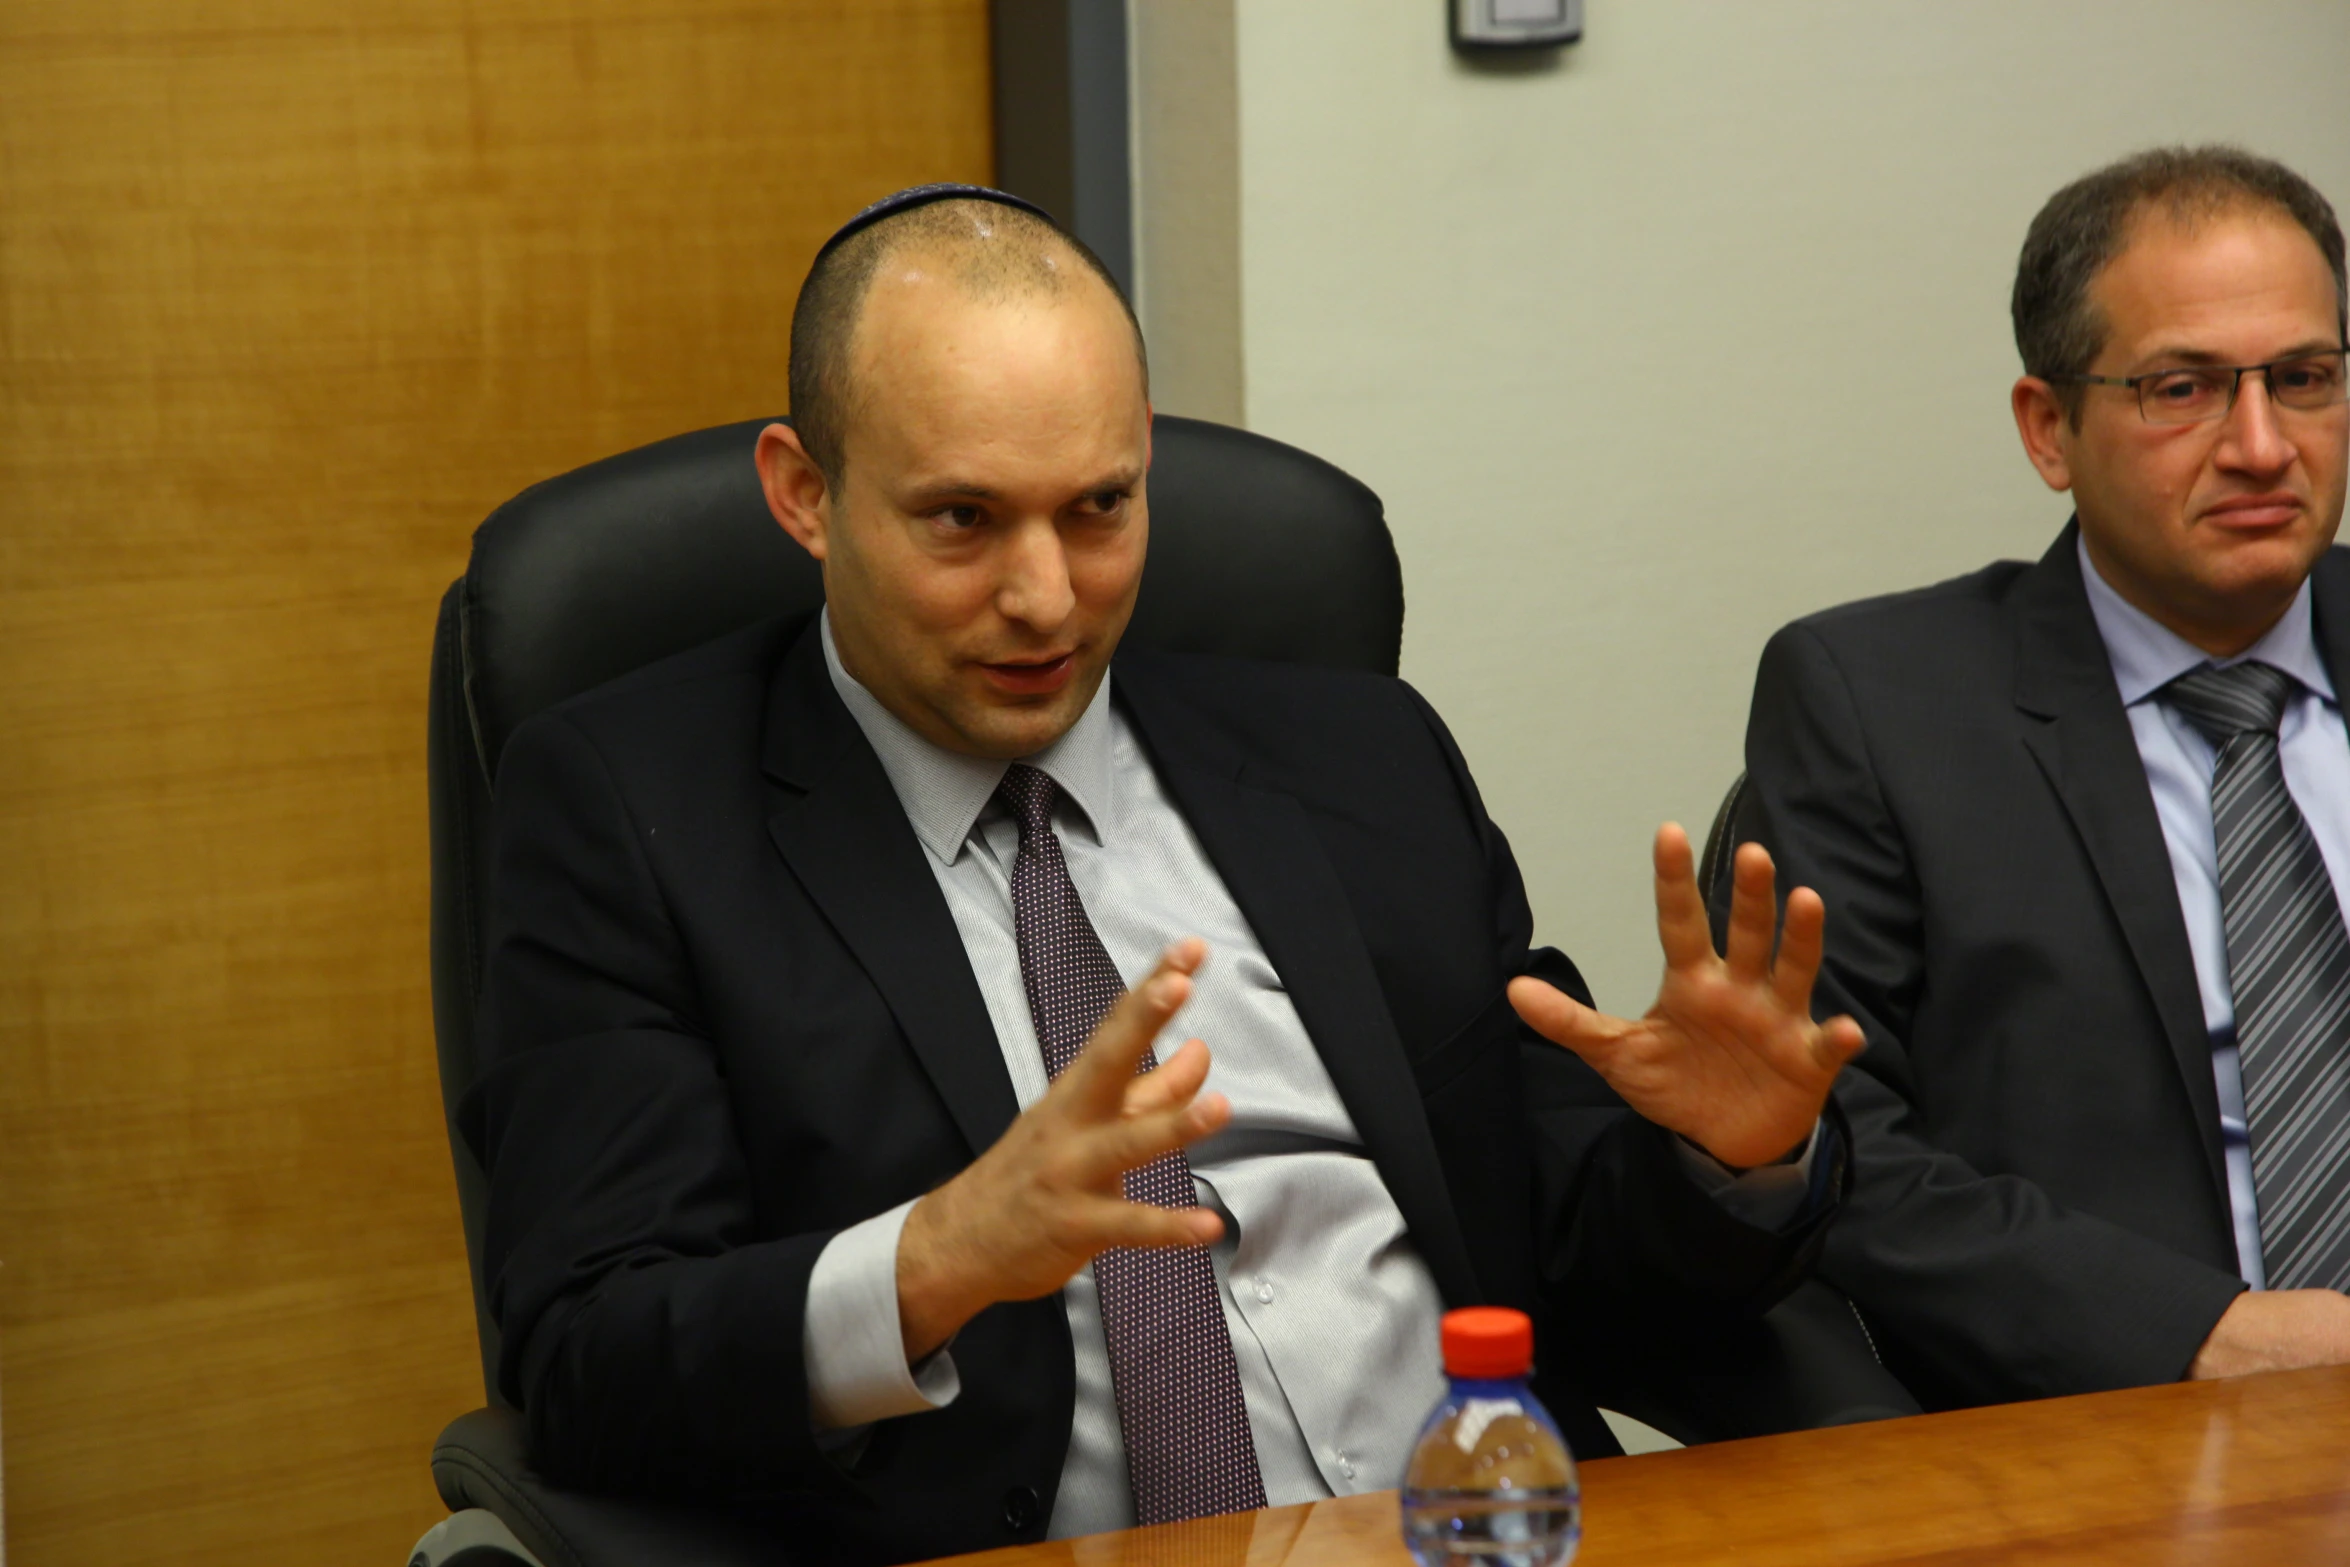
[2255, 1471]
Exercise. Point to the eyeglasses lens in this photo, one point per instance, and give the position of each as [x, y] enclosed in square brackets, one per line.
[2192, 396]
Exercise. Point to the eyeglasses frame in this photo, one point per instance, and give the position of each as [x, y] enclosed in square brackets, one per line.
[2137, 384]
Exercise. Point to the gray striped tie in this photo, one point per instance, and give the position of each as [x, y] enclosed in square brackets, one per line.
[2289, 967]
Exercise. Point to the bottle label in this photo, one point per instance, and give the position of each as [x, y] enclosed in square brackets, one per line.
[1476, 1415]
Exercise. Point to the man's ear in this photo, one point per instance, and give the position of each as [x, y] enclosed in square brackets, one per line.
[796, 491]
[2041, 420]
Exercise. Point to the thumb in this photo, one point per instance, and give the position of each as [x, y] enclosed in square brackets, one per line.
[1560, 1018]
[1839, 1040]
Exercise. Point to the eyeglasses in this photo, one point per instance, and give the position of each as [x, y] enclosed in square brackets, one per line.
[2192, 394]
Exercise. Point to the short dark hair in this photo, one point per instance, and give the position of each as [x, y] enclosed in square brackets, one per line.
[2086, 225]
[994, 249]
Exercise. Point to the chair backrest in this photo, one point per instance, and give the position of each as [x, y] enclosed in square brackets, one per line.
[1257, 550]
[1721, 843]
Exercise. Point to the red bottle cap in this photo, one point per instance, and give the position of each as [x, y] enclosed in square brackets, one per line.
[1487, 1342]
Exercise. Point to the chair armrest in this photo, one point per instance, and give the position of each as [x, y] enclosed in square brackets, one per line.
[481, 1460]
[471, 1538]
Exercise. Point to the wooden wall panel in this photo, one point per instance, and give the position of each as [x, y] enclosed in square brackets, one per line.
[291, 294]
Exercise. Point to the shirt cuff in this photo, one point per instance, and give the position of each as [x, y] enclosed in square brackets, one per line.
[1769, 1197]
[851, 1340]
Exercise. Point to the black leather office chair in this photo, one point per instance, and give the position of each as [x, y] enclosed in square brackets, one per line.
[1721, 844]
[1257, 549]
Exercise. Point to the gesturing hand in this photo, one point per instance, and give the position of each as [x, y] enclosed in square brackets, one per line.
[1729, 1056]
[2276, 1330]
[1027, 1214]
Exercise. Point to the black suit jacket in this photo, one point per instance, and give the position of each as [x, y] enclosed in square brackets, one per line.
[728, 1014]
[2040, 1202]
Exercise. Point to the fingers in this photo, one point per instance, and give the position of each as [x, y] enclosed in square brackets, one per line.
[1680, 912]
[1097, 1079]
[1754, 915]
[1172, 1084]
[1110, 1151]
[1116, 1222]
[1799, 950]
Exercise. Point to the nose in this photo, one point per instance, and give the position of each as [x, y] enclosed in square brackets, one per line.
[2252, 440]
[1034, 587]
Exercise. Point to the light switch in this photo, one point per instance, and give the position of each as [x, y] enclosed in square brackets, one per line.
[1516, 24]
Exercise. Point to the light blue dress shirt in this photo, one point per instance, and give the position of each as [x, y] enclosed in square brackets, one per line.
[2315, 751]
[1333, 1315]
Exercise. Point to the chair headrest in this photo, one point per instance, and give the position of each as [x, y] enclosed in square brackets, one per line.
[1257, 550]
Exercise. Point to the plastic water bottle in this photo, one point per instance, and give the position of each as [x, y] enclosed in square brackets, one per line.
[1491, 1482]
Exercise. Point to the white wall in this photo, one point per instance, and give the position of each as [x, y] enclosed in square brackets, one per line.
[1697, 331]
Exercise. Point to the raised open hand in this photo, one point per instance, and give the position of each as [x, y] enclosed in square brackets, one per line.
[1729, 1056]
[1048, 1197]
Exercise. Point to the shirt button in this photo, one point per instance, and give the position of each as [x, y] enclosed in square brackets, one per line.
[1264, 1292]
[1346, 1466]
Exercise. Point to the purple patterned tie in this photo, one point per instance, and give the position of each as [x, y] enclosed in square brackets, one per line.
[1188, 1449]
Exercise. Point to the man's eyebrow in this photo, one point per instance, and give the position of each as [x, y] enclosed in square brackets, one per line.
[937, 492]
[933, 492]
[2201, 356]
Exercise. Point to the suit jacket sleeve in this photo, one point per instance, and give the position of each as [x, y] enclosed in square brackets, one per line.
[2001, 1291]
[1623, 1232]
[653, 1342]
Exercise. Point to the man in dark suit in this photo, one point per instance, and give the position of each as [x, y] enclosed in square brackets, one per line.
[2085, 828]
[807, 1187]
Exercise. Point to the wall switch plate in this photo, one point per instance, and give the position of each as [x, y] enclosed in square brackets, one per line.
[1516, 24]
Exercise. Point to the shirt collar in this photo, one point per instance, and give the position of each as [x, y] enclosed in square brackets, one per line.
[2147, 655]
[944, 792]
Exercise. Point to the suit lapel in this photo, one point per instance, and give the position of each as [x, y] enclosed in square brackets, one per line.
[2077, 731]
[840, 828]
[1273, 863]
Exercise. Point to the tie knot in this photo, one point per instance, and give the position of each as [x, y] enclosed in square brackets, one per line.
[1029, 794]
[2223, 703]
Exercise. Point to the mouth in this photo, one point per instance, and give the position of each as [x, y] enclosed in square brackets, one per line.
[2254, 513]
[1031, 676]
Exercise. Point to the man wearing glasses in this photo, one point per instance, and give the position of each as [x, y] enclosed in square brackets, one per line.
[2085, 829]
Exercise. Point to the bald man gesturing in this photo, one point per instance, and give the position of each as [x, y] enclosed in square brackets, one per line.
[840, 1144]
